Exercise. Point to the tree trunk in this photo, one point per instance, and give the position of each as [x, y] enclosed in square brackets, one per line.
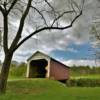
[5, 72]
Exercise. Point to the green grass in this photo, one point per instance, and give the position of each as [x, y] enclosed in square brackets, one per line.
[44, 89]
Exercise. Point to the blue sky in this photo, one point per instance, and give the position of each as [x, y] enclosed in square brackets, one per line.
[83, 51]
[72, 46]
[80, 55]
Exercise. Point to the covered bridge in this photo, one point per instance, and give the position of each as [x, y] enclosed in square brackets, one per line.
[40, 65]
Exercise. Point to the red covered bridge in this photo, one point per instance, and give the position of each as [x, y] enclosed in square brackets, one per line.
[41, 65]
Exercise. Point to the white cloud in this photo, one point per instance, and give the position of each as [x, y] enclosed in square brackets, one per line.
[72, 50]
[58, 40]
[81, 62]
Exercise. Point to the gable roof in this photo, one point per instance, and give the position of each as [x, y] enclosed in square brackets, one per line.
[48, 57]
[37, 53]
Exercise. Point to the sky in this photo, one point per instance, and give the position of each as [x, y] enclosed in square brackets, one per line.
[72, 46]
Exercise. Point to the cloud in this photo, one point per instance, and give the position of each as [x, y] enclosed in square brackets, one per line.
[81, 62]
[72, 50]
[48, 41]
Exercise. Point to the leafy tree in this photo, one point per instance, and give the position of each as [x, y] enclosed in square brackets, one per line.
[39, 15]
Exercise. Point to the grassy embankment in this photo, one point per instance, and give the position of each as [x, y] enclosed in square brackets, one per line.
[44, 89]
[20, 88]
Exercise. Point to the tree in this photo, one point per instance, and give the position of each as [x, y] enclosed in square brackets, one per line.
[95, 31]
[26, 12]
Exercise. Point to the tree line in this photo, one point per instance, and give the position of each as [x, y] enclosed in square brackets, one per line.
[85, 70]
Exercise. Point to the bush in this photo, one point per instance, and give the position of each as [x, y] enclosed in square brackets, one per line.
[17, 71]
[83, 82]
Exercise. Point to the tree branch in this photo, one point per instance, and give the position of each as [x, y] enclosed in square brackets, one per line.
[5, 35]
[49, 5]
[53, 10]
[61, 15]
[47, 28]
[40, 15]
[21, 25]
[12, 5]
[95, 33]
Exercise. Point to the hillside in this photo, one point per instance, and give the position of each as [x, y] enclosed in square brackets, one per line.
[44, 89]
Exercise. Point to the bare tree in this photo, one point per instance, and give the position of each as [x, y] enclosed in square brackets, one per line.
[95, 32]
[40, 15]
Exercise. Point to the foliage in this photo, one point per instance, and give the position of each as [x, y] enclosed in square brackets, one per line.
[18, 71]
[84, 71]
[83, 82]
[76, 72]
[84, 76]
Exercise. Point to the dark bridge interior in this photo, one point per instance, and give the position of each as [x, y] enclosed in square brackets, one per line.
[38, 68]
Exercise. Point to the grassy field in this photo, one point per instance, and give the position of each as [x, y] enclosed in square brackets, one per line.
[44, 89]
[20, 88]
